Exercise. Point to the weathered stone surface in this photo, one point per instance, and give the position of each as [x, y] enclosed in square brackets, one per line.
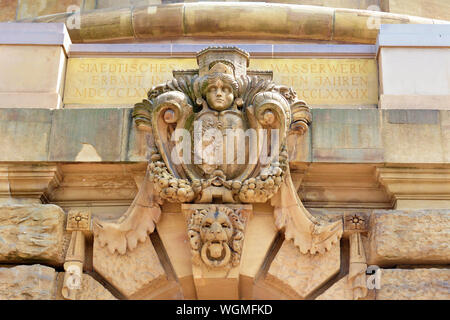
[445, 130]
[342, 290]
[436, 9]
[412, 141]
[134, 273]
[32, 127]
[341, 135]
[298, 274]
[90, 289]
[34, 282]
[409, 237]
[8, 10]
[31, 76]
[414, 284]
[86, 135]
[34, 8]
[32, 232]
[136, 148]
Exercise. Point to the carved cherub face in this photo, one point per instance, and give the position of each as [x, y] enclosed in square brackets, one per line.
[219, 95]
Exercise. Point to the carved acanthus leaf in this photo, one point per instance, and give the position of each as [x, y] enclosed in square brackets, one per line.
[307, 232]
[134, 226]
[182, 84]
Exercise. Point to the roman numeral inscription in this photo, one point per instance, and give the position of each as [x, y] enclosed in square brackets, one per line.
[123, 81]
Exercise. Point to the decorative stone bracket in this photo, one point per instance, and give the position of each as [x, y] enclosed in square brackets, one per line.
[79, 223]
[354, 225]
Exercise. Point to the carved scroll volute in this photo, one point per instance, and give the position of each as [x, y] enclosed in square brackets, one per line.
[273, 112]
[142, 115]
[301, 117]
[273, 116]
[171, 109]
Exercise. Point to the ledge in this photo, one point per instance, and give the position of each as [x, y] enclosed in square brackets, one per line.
[336, 136]
[35, 34]
[397, 35]
[413, 36]
[236, 20]
[178, 50]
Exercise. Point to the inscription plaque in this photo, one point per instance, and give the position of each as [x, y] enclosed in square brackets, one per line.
[123, 81]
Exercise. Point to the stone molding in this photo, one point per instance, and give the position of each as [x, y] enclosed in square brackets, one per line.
[51, 34]
[192, 19]
[413, 36]
[403, 101]
[32, 183]
[416, 183]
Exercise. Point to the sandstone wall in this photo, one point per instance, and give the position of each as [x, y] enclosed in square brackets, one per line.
[384, 161]
[411, 247]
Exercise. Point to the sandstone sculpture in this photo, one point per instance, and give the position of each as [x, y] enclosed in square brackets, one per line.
[216, 236]
[196, 127]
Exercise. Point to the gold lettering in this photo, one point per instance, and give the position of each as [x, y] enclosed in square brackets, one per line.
[344, 68]
[322, 68]
[80, 93]
[95, 81]
[363, 67]
[364, 80]
[143, 67]
[333, 67]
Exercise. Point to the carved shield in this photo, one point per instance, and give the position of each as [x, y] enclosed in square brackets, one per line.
[218, 141]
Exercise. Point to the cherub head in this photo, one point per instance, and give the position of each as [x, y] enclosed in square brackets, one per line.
[219, 87]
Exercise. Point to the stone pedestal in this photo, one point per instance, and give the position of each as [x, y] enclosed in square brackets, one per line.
[410, 52]
[33, 61]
